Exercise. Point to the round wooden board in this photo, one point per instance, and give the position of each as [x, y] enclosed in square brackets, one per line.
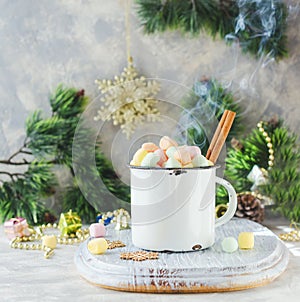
[210, 270]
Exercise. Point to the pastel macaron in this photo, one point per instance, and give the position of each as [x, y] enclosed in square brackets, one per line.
[97, 230]
[166, 142]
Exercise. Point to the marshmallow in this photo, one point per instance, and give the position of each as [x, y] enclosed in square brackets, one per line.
[229, 245]
[172, 163]
[49, 241]
[97, 230]
[97, 246]
[189, 165]
[182, 155]
[149, 147]
[170, 151]
[150, 160]
[193, 150]
[166, 143]
[139, 156]
[200, 161]
[162, 156]
[246, 240]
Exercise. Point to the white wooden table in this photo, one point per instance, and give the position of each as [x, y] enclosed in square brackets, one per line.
[27, 276]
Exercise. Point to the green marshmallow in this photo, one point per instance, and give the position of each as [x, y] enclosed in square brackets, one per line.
[200, 161]
[172, 163]
[170, 151]
[150, 160]
[229, 245]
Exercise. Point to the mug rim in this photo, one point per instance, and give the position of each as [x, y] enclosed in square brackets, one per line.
[176, 169]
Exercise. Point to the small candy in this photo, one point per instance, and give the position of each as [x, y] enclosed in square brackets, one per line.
[200, 161]
[162, 156]
[97, 230]
[170, 151]
[149, 147]
[182, 155]
[49, 241]
[97, 246]
[246, 240]
[229, 245]
[193, 150]
[139, 156]
[172, 163]
[150, 160]
[166, 143]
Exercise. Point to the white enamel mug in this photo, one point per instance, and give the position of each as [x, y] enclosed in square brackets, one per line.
[174, 209]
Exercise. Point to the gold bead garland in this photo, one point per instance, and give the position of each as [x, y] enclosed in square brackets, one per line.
[269, 143]
[293, 235]
[21, 242]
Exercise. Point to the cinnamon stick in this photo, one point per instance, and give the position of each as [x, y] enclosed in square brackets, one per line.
[221, 138]
[216, 134]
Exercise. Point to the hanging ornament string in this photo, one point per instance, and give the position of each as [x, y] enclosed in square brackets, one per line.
[127, 31]
[129, 99]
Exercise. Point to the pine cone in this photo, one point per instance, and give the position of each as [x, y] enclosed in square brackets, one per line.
[250, 207]
[49, 217]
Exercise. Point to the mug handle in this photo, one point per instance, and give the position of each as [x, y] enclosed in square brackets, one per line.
[232, 202]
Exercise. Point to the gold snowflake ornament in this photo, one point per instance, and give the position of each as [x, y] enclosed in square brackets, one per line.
[128, 100]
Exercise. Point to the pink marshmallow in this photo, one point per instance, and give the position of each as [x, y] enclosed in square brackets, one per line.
[193, 150]
[166, 142]
[161, 155]
[97, 230]
[182, 155]
[150, 147]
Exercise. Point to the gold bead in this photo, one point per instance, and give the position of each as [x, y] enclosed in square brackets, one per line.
[268, 139]
[75, 240]
[259, 125]
[48, 253]
[19, 245]
[270, 145]
[261, 129]
[271, 151]
[270, 163]
[265, 133]
[33, 246]
[70, 241]
[26, 246]
[271, 157]
[55, 225]
[38, 246]
[49, 225]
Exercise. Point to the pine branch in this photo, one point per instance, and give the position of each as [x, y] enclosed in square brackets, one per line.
[259, 26]
[48, 142]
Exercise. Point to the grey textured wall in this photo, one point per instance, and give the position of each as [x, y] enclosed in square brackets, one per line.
[44, 43]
